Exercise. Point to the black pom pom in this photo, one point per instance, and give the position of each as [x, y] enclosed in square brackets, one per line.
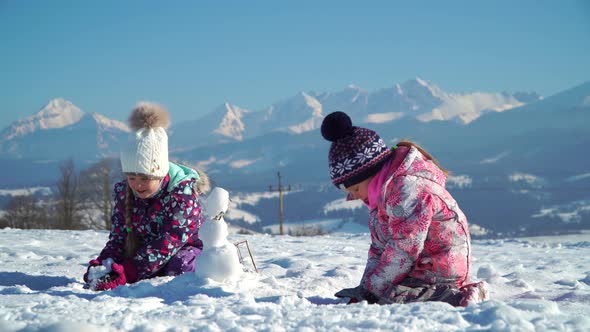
[336, 125]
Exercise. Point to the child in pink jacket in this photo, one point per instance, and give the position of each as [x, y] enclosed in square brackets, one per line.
[420, 244]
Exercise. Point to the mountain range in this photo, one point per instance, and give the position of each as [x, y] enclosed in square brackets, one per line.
[61, 130]
[517, 159]
[304, 112]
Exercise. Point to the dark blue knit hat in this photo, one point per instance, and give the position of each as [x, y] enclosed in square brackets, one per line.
[355, 154]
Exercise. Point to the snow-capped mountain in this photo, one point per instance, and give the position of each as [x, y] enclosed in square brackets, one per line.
[483, 139]
[231, 124]
[412, 98]
[41, 136]
[299, 114]
[61, 130]
[426, 102]
[353, 99]
[224, 124]
[505, 135]
[493, 159]
[58, 113]
[303, 112]
[468, 107]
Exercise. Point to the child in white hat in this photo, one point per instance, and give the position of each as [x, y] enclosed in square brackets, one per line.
[157, 211]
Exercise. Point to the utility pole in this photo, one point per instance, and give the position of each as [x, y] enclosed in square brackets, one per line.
[280, 189]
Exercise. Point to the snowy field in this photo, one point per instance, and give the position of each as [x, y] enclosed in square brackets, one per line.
[537, 285]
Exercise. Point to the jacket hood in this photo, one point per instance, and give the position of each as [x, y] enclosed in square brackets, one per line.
[179, 173]
[416, 164]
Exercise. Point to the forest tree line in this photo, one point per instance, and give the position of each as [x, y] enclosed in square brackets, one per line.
[79, 200]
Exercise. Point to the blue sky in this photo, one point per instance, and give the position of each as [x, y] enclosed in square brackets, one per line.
[104, 56]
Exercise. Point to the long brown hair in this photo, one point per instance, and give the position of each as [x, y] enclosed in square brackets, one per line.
[131, 243]
[428, 156]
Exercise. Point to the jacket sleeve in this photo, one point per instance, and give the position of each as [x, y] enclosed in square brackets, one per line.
[409, 214]
[115, 247]
[182, 219]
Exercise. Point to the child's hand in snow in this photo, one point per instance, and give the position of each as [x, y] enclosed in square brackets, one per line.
[116, 277]
[357, 294]
[96, 271]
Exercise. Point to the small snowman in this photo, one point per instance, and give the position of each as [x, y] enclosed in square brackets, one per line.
[219, 260]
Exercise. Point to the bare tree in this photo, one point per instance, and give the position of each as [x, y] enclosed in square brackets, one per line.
[25, 212]
[67, 200]
[96, 189]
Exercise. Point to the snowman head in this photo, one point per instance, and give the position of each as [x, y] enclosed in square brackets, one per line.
[217, 203]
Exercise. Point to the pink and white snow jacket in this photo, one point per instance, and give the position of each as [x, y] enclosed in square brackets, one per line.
[417, 229]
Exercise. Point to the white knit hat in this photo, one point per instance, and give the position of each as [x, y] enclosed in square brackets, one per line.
[146, 151]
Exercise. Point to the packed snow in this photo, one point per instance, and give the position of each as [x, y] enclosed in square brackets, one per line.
[537, 284]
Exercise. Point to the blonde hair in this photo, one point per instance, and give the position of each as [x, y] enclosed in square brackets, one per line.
[131, 243]
[408, 143]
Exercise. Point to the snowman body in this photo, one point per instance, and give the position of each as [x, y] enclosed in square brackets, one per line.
[219, 259]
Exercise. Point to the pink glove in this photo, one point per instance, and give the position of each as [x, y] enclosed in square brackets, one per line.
[92, 263]
[120, 275]
[115, 278]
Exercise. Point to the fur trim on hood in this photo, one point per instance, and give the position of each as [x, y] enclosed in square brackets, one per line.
[203, 184]
[181, 172]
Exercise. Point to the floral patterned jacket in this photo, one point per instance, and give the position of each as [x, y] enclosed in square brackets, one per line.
[163, 223]
[417, 230]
